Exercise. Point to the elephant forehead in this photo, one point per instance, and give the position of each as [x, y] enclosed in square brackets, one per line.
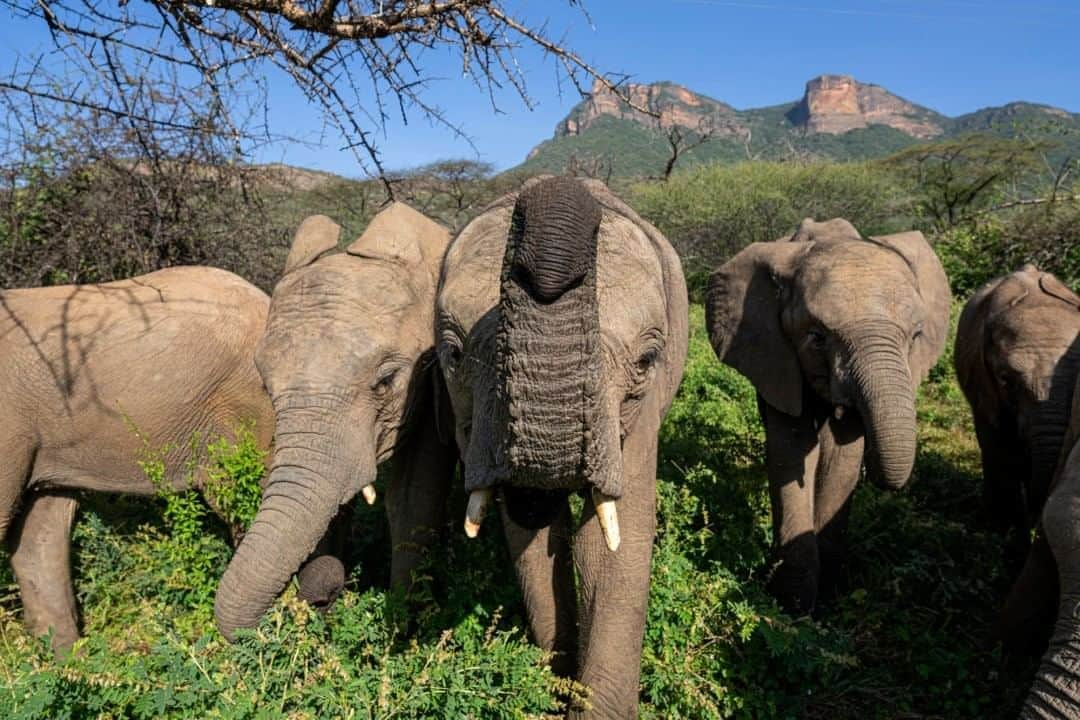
[837, 280]
[629, 278]
[358, 287]
[472, 267]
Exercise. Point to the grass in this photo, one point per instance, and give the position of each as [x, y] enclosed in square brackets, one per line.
[909, 639]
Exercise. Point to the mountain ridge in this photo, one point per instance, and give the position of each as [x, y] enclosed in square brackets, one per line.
[837, 117]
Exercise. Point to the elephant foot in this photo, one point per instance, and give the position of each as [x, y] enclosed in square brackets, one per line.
[795, 579]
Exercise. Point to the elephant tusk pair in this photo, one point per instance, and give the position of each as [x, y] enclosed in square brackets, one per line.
[605, 513]
[368, 491]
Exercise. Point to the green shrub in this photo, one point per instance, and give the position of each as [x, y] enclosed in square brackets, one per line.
[711, 212]
[234, 477]
[992, 246]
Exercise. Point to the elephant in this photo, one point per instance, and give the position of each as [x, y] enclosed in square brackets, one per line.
[836, 332]
[1017, 355]
[347, 359]
[561, 321]
[1055, 692]
[95, 375]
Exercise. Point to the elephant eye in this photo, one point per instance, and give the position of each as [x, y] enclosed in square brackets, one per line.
[918, 331]
[385, 381]
[816, 338]
[450, 354]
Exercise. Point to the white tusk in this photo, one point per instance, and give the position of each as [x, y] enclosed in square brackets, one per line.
[608, 517]
[368, 491]
[838, 412]
[477, 508]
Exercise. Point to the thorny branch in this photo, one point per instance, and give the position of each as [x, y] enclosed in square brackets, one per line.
[354, 59]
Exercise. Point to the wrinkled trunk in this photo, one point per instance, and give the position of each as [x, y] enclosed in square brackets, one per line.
[886, 402]
[1056, 690]
[309, 481]
[550, 392]
[1044, 441]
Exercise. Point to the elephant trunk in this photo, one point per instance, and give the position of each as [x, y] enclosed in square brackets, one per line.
[886, 401]
[550, 393]
[308, 483]
[1056, 690]
[1045, 438]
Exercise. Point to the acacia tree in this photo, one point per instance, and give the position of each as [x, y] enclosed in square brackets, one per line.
[958, 177]
[360, 61]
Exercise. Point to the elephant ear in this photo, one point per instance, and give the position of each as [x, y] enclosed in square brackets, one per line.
[933, 286]
[1057, 289]
[402, 235]
[974, 334]
[316, 236]
[743, 305]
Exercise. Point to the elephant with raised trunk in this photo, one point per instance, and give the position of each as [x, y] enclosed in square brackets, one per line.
[1017, 356]
[347, 358]
[836, 332]
[562, 334]
[1055, 693]
[94, 376]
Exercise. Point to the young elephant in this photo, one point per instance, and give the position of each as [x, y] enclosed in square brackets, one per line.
[1017, 356]
[347, 359]
[1056, 691]
[562, 334]
[94, 375]
[836, 332]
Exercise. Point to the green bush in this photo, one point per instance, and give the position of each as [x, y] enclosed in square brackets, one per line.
[976, 252]
[711, 212]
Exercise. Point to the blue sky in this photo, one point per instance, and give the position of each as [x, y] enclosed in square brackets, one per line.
[951, 55]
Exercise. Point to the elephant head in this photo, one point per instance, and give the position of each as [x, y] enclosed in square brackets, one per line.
[561, 322]
[1017, 354]
[856, 322]
[345, 358]
[548, 362]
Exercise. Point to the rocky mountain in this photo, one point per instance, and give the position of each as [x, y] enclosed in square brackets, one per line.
[837, 117]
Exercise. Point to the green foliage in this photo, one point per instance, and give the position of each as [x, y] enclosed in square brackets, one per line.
[1048, 236]
[712, 212]
[955, 178]
[234, 476]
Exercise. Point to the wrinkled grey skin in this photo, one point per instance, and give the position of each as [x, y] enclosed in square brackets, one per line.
[95, 376]
[835, 332]
[562, 334]
[1055, 693]
[1017, 356]
[347, 359]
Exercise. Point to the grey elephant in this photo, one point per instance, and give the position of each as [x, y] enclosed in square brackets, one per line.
[1056, 690]
[95, 375]
[562, 335]
[1017, 356]
[347, 358]
[836, 332]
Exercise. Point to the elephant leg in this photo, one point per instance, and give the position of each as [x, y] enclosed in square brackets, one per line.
[840, 459]
[322, 576]
[1005, 473]
[614, 586]
[1027, 617]
[423, 473]
[542, 559]
[791, 458]
[40, 547]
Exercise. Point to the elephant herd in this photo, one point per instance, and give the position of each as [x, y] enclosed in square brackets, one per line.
[540, 349]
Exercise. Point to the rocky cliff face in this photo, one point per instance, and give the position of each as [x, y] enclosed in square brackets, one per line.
[677, 107]
[835, 104]
[832, 104]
